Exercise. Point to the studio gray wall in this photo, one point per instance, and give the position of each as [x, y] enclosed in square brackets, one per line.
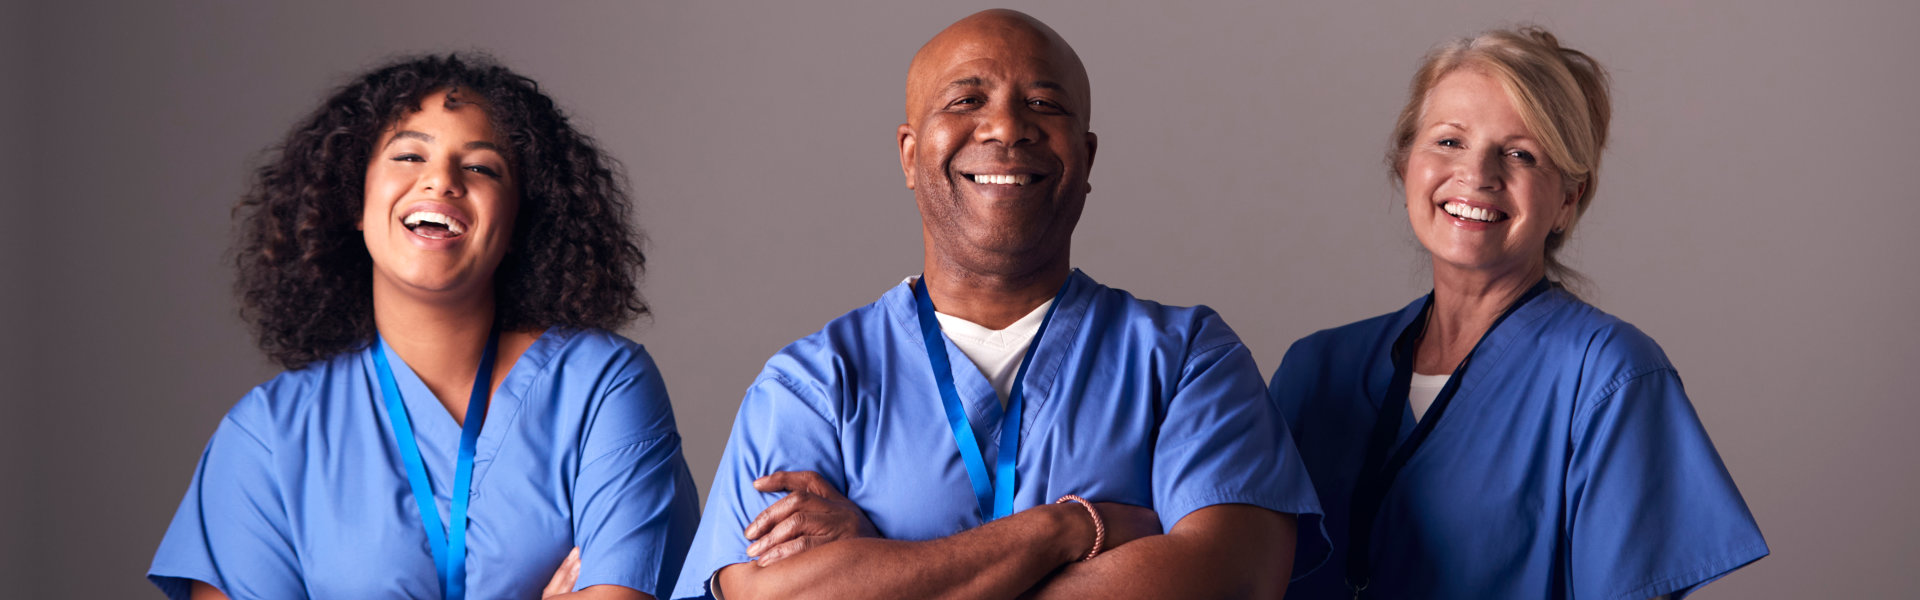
[15, 480]
[1753, 216]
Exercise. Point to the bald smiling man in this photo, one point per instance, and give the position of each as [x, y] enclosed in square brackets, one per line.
[1003, 426]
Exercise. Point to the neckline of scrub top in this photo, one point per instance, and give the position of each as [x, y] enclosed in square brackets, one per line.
[448, 542]
[993, 491]
[982, 403]
[432, 424]
[1493, 344]
[1386, 457]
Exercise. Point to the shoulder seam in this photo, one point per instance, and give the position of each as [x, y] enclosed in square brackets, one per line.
[1620, 382]
[249, 433]
[797, 391]
[1228, 344]
[628, 444]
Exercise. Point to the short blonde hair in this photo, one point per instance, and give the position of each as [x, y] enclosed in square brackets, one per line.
[1560, 93]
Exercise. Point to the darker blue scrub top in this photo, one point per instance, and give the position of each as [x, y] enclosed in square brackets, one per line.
[1569, 464]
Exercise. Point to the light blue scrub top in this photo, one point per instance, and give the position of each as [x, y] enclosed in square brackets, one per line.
[1128, 401]
[1568, 465]
[302, 492]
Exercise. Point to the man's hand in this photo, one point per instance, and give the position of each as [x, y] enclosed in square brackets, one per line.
[812, 514]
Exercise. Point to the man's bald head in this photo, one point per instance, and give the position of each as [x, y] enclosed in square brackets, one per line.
[995, 32]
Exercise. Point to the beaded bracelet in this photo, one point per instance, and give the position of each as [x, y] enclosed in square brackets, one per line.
[1099, 527]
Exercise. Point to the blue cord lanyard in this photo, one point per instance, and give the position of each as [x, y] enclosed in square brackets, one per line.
[996, 501]
[449, 544]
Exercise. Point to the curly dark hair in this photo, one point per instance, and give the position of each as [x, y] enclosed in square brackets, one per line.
[306, 281]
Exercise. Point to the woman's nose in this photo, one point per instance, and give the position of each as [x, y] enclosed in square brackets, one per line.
[1480, 171]
[443, 180]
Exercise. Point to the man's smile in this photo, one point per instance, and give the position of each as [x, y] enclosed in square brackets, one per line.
[1003, 178]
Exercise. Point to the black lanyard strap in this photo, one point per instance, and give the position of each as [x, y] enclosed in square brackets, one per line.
[1382, 466]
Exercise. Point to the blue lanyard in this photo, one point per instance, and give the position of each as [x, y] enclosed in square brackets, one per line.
[449, 544]
[995, 501]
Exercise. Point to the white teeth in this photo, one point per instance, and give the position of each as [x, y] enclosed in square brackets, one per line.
[426, 216]
[1470, 213]
[1003, 179]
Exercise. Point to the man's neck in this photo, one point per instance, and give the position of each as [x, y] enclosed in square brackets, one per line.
[992, 300]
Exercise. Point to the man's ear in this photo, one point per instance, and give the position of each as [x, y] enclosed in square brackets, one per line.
[1093, 147]
[907, 149]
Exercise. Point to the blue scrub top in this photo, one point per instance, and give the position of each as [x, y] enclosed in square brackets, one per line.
[302, 492]
[1128, 401]
[1568, 465]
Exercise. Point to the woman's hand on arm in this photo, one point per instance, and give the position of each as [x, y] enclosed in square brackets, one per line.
[564, 577]
[202, 591]
[604, 592]
[560, 587]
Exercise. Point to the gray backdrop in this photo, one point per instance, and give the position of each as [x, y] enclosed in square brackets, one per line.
[1754, 216]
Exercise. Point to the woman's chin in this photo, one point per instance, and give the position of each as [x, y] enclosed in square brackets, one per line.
[1473, 257]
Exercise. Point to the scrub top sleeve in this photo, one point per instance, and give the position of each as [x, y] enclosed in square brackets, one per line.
[634, 505]
[1651, 509]
[1223, 442]
[778, 429]
[1289, 385]
[231, 530]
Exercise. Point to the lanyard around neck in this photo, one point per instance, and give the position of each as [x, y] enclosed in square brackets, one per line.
[994, 495]
[1381, 467]
[449, 543]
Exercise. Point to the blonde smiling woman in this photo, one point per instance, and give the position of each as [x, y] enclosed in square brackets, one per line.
[1501, 438]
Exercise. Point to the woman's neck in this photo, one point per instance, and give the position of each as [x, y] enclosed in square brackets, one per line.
[442, 343]
[1465, 305]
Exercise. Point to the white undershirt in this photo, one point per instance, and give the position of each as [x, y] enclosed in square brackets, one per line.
[996, 352]
[1422, 391]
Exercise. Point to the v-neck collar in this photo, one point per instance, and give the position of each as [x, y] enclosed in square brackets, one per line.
[1493, 347]
[434, 427]
[982, 403]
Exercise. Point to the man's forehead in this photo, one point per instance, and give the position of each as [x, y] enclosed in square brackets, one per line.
[994, 47]
[1000, 70]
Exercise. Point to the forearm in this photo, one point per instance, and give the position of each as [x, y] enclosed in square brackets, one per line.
[1226, 551]
[1000, 559]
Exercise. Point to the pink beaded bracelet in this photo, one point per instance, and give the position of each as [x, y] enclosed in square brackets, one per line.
[1099, 527]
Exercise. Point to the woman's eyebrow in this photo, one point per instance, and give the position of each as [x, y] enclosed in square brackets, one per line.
[409, 134]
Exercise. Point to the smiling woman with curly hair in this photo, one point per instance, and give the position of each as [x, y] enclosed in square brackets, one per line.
[436, 256]
[304, 269]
